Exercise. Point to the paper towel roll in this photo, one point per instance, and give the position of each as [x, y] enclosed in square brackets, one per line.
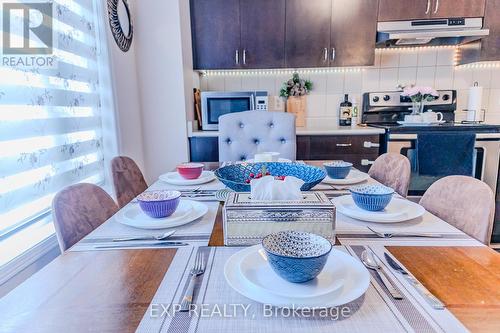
[474, 111]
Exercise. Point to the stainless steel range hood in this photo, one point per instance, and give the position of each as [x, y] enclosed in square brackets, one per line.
[451, 31]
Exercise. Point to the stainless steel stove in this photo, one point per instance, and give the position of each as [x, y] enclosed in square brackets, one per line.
[388, 107]
[384, 109]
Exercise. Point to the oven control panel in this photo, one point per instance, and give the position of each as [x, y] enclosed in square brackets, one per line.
[261, 101]
[394, 98]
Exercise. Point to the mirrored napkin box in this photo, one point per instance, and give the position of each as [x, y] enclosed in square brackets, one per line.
[247, 222]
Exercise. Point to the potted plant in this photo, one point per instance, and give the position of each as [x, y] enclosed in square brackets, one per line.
[418, 96]
[295, 91]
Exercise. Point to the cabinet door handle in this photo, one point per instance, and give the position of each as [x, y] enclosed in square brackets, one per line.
[237, 57]
[365, 162]
[343, 144]
[244, 56]
[325, 54]
[437, 7]
[369, 144]
[428, 6]
[333, 54]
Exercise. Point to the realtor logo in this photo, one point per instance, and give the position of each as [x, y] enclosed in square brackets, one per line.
[27, 34]
[27, 28]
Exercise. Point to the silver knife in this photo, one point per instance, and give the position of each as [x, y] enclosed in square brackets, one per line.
[130, 245]
[426, 294]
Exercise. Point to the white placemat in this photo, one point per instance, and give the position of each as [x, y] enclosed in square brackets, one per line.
[197, 232]
[218, 308]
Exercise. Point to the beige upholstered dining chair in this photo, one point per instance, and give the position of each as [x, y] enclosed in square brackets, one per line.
[464, 202]
[79, 209]
[393, 170]
[127, 179]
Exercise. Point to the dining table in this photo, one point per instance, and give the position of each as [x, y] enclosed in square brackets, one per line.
[94, 288]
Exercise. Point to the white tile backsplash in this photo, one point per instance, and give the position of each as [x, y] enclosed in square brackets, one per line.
[433, 67]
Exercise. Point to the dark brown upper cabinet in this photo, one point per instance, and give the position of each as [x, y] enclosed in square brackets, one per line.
[308, 33]
[230, 34]
[216, 36]
[400, 10]
[457, 8]
[397, 10]
[262, 33]
[488, 48]
[353, 46]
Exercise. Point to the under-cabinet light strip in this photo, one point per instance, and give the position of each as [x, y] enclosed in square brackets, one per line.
[280, 71]
[486, 64]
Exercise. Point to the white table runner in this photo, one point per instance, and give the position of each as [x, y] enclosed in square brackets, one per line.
[220, 309]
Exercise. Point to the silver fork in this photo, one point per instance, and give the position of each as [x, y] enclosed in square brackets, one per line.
[198, 269]
[403, 234]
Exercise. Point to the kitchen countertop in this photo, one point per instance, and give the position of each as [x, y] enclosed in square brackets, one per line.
[330, 130]
[477, 128]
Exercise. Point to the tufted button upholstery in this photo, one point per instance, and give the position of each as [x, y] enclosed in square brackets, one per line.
[243, 134]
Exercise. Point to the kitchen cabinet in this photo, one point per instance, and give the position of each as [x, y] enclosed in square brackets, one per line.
[398, 10]
[356, 46]
[360, 150]
[457, 8]
[215, 27]
[488, 48]
[308, 33]
[248, 34]
[262, 33]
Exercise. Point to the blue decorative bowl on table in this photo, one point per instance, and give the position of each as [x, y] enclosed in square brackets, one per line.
[234, 176]
[160, 203]
[296, 256]
[337, 169]
[371, 197]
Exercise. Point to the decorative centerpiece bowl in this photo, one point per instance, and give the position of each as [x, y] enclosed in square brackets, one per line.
[190, 170]
[337, 169]
[371, 197]
[296, 256]
[159, 204]
[236, 176]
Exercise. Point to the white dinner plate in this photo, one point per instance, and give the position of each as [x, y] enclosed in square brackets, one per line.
[354, 177]
[355, 275]
[175, 179]
[257, 271]
[398, 210]
[187, 211]
[281, 160]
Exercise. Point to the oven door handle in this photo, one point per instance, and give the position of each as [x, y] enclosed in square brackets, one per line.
[252, 102]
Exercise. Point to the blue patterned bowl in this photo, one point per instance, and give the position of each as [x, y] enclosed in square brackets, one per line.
[296, 256]
[337, 169]
[234, 176]
[159, 204]
[371, 197]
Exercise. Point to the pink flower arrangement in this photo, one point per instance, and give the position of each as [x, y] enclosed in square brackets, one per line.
[418, 94]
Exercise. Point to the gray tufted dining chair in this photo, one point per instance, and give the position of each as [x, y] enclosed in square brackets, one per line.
[243, 134]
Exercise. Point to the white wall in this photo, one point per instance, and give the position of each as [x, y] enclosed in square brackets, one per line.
[425, 66]
[126, 93]
[164, 68]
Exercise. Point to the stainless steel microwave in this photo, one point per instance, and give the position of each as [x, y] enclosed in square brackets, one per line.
[217, 103]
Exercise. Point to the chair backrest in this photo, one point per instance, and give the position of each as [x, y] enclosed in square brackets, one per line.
[127, 179]
[393, 170]
[243, 134]
[79, 209]
[464, 202]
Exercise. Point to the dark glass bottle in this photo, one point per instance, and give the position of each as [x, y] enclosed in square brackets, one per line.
[345, 112]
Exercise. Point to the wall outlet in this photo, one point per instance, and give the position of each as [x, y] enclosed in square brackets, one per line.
[276, 103]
